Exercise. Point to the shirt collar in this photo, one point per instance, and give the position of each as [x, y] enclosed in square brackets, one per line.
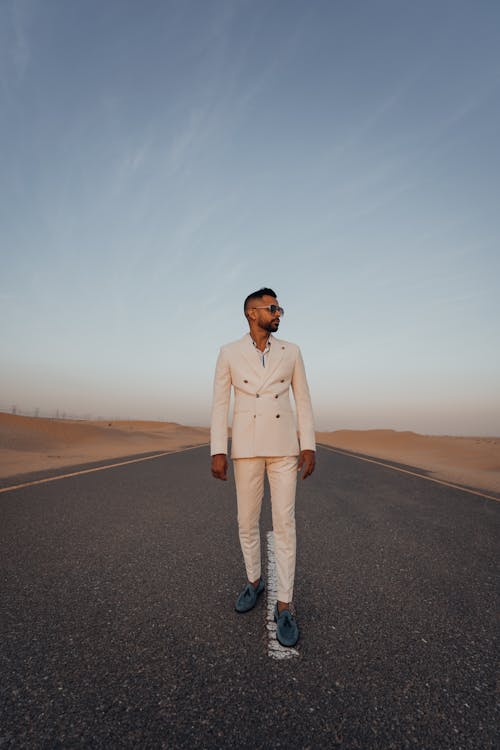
[268, 342]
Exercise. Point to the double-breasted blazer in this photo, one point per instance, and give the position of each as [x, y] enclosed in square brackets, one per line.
[264, 423]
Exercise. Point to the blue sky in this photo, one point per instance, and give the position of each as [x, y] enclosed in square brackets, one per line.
[160, 160]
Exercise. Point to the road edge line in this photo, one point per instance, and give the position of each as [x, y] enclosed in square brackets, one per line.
[412, 473]
[99, 468]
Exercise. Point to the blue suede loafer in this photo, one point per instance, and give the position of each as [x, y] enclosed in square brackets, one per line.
[248, 597]
[287, 630]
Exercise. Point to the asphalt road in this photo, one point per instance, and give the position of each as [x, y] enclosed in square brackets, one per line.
[119, 630]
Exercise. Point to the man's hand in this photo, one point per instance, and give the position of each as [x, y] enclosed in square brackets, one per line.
[308, 461]
[219, 466]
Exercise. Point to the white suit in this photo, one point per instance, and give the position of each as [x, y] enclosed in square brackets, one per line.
[264, 436]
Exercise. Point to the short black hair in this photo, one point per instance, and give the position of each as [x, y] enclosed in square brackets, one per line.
[265, 291]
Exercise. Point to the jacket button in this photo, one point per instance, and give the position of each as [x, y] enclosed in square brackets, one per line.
[282, 381]
[277, 416]
[276, 396]
[246, 381]
[257, 395]
[282, 347]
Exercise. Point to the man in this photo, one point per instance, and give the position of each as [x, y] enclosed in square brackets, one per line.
[261, 369]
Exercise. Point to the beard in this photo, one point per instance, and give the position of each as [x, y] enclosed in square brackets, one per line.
[272, 326]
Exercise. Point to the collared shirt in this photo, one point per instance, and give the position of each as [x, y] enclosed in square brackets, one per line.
[262, 355]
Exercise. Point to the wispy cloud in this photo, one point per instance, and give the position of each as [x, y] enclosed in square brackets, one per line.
[15, 22]
[21, 54]
[188, 139]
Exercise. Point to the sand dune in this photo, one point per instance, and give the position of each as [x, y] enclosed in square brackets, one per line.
[29, 444]
[472, 461]
[32, 444]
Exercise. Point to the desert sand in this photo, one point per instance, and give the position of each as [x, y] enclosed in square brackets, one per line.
[33, 444]
[29, 444]
[469, 461]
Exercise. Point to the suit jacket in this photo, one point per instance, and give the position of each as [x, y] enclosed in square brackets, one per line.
[264, 423]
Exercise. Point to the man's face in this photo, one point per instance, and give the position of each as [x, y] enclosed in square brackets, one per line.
[265, 319]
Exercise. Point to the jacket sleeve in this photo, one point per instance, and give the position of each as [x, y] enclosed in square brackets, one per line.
[302, 399]
[220, 405]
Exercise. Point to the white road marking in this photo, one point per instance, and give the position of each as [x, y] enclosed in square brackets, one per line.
[412, 473]
[274, 649]
[98, 468]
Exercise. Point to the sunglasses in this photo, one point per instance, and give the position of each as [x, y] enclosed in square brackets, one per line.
[272, 309]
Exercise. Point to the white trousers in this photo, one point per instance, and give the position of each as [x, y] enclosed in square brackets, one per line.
[249, 479]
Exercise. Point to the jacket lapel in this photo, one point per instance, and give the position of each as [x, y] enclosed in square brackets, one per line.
[276, 352]
[251, 357]
[273, 359]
